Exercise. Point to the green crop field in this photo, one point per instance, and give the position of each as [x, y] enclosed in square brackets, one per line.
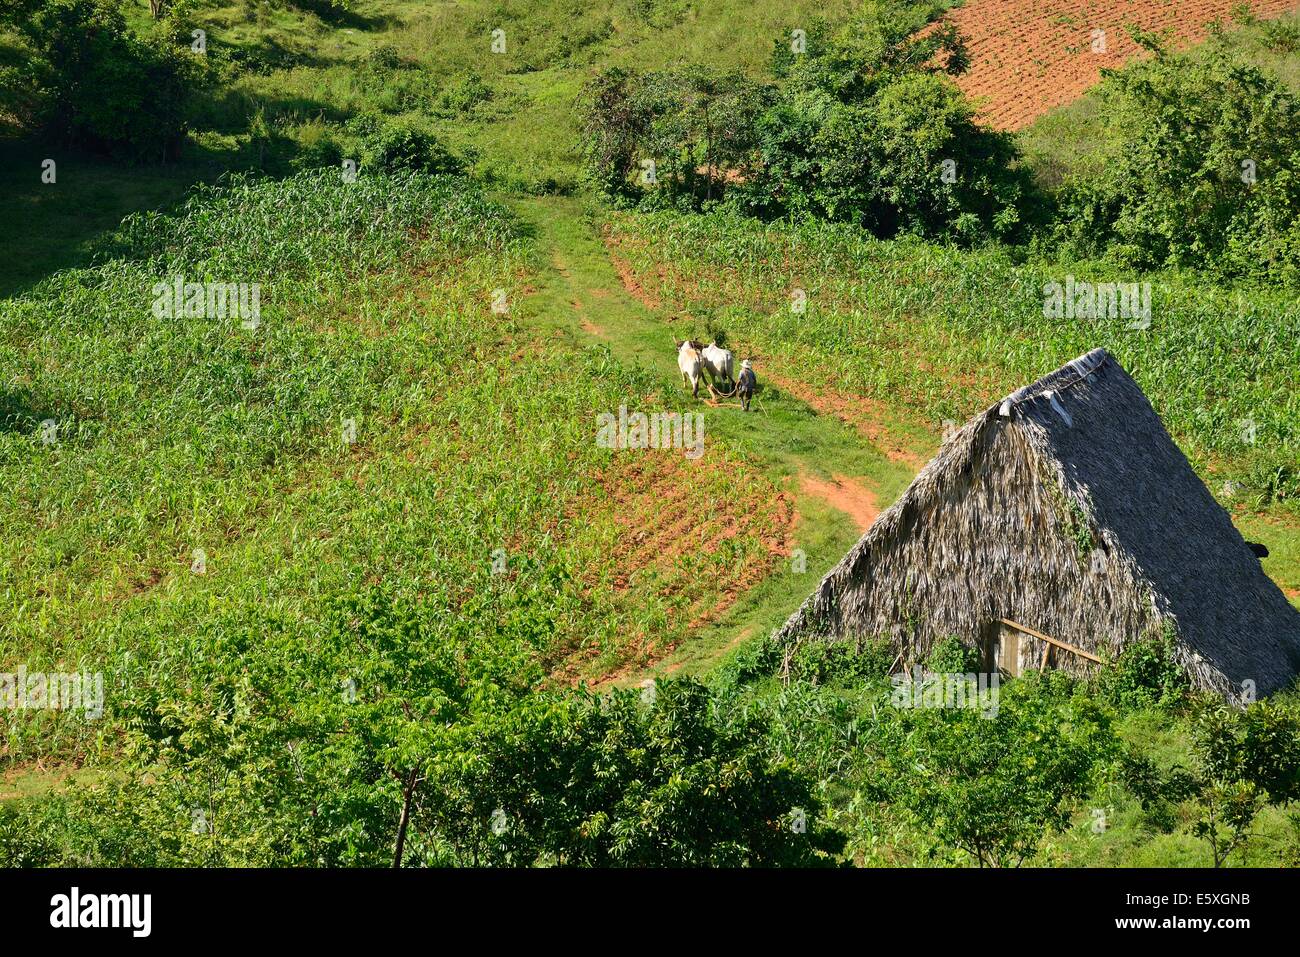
[356, 569]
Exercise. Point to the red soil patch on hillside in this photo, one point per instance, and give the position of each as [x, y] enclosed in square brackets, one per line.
[1028, 56]
[627, 276]
[665, 512]
[849, 496]
[666, 508]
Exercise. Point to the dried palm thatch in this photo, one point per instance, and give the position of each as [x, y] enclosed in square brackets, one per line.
[1067, 508]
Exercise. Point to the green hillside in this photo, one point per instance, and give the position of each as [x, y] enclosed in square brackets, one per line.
[361, 557]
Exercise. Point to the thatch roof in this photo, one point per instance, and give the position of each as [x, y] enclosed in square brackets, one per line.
[1068, 508]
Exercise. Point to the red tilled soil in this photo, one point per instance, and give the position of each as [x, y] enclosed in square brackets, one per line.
[849, 496]
[1028, 56]
[664, 512]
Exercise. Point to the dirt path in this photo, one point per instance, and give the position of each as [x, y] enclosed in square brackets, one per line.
[845, 494]
[833, 475]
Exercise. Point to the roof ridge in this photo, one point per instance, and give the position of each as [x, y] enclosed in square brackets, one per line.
[1082, 366]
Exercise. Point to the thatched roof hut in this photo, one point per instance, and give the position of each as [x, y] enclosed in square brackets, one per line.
[1065, 511]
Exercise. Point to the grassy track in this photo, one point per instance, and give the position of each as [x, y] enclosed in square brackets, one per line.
[581, 299]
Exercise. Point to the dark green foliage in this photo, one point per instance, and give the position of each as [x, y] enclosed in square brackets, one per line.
[93, 83]
[280, 764]
[1199, 167]
[993, 786]
[867, 128]
[614, 124]
[951, 656]
[670, 137]
[1158, 793]
[1145, 675]
[113, 825]
[843, 662]
[627, 779]
[862, 127]
[1270, 749]
[402, 146]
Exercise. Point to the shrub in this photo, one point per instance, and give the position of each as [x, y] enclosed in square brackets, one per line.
[1241, 761]
[864, 127]
[1199, 167]
[316, 147]
[401, 146]
[465, 95]
[696, 126]
[1280, 36]
[1145, 675]
[104, 87]
[841, 661]
[950, 656]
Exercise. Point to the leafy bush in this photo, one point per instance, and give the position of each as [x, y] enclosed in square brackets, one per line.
[1145, 675]
[317, 147]
[683, 132]
[1241, 761]
[383, 59]
[1280, 36]
[868, 128]
[1199, 168]
[842, 661]
[459, 99]
[625, 780]
[103, 87]
[401, 146]
[951, 656]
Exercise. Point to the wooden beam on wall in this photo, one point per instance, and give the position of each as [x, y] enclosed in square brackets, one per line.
[1051, 641]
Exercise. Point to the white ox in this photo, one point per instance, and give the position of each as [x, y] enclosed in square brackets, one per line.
[719, 364]
[690, 361]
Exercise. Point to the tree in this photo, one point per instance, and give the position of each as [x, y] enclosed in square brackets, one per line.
[695, 125]
[867, 127]
[615, 124]
[993, 787]
[627, 780]
[1242, 761]
[1198, 167]
[101, 86]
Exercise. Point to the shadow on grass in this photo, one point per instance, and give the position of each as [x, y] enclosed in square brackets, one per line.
[45, 227]
[340, 16]
[229, 112]
[20, 411]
